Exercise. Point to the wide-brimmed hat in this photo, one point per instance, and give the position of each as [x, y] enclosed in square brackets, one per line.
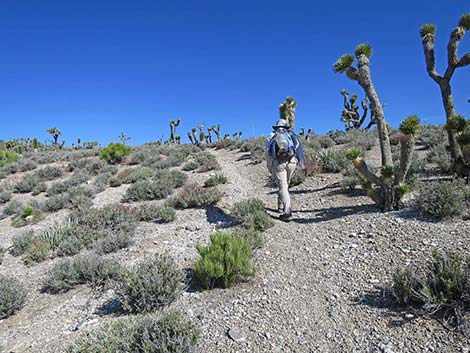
[281, 123]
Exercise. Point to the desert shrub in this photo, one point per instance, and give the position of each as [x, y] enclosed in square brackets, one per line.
[154, 213]
[361, 139]
[76, 197]
[215, 180]
[13, 207]
[5, 196]
[21, 242]
[252, 214]
[57, 202]
[157, 188]
[255, 147]
[439, 155]
[8, 157]
[193, 196]
[351, 179]
[324, 141]
[27, 184]
[431, 135]
[81, 269]
[441, 200]
[114, 242]
[132, 175]
[49, 173]
[151, 285]
[39, 188]
[226, 260]
[63, 186]
[29, 215]
[441, 289]
[101, 182]
[115, 152]
[312, 164]
[26, 165]
[206, 161]
[12, 296]
[2, 254]
[189, 166]
[171, 333]
[333, 160]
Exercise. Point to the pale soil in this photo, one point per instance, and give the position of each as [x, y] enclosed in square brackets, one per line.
[317, 287]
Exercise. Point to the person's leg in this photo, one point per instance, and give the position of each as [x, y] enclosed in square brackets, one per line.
[281, 178]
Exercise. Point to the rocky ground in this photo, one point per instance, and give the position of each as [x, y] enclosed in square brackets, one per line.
[318, 286]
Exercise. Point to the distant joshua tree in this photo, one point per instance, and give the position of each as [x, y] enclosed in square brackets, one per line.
[55, 133]
[350, 115]
[427, 33]
[123, 137]
[173, 126]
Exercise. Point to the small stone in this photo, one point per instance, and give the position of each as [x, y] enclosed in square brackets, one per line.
[236, 335]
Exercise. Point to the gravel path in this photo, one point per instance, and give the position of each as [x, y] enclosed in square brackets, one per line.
[317, 287]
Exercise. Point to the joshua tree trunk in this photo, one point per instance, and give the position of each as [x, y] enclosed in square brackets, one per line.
[365, 81]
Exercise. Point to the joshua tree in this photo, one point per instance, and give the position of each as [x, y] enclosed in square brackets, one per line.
[209, 134]
[350, 115]
[55, 133]
[361, 74]
[461, 130]
[123, 137]
[227, 137]
[302, 132]
[287, 111]
[201, 133]
[388, 188]
[178, 140]
[427, 33]
[173, 126]
[216, 130]
[309, 134]
[194, 133]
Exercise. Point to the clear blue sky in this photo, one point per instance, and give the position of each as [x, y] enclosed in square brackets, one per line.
[97, 68]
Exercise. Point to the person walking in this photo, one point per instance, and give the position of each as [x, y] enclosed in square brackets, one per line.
[283, 152]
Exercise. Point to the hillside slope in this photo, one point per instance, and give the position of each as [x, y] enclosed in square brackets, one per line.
[317, 287]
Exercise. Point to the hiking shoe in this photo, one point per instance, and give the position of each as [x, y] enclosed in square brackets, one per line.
[286, 217]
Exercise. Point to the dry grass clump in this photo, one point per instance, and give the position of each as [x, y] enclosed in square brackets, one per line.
[193, 196]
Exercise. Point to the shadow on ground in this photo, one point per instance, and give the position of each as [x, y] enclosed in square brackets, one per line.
[327, 214]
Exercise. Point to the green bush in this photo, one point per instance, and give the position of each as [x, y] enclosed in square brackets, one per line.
[82, 269]
[12, 296]
[443, 288]
[192, 196]
[215, 180]
[154, 213]
[441, 200]
[157, 188]
[439, 155]
[225, 261]
[252, 215]
[171, 333]
[115, 152]
[8, 157]
[333, 160]
[150, 285]
[39, 188]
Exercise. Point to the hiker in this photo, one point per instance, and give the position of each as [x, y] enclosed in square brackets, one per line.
[283, 152]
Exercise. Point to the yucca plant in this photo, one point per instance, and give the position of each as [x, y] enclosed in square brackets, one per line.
[427, 33]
